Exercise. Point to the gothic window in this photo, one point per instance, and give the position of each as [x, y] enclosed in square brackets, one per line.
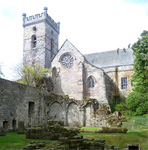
[67, 60]
[90, 82]
[124, 83]
[33, 41]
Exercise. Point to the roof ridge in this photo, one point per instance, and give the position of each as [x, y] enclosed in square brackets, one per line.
[121, 50]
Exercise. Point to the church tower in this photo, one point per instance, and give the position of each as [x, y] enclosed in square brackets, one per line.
[41, 34]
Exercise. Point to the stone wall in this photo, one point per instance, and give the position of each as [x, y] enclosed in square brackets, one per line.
[69, 81]
[99, 90]
[36, 54]
[75, 112]
[118, 72]
[35, 107]
[44, 29]
[73, 81]
[14, 100]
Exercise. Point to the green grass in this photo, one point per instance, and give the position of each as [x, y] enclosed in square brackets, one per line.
[121, 140]
[137, 134]
[14, 141]
[90, 128]
[136, 122]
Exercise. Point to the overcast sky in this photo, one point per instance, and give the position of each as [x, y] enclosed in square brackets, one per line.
[91, 25]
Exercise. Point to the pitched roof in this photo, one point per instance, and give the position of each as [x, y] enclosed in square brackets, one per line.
[111, 58]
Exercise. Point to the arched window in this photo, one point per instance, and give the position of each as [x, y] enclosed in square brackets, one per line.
[33, 41]
[90, 82]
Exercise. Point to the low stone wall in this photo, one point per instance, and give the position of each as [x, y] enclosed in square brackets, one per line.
[73, 143]
[53, 131]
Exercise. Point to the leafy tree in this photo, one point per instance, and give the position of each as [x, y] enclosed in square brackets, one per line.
[32, 75]
[137, 101]
[140, 76]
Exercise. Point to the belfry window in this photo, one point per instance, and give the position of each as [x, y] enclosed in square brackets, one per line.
[34, 41]
[90, 82]
[124, 83]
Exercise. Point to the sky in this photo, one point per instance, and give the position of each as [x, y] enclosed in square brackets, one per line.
[91, 25]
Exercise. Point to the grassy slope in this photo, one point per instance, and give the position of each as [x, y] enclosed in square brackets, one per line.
[14, 141]
[121, 140]
[137, 133]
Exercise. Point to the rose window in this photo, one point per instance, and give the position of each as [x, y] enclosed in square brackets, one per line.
[67, 60]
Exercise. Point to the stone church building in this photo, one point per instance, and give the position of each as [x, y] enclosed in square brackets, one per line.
[82, 82]
[80, 76]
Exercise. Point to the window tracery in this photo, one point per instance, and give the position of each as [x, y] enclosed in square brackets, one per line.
[67, 60]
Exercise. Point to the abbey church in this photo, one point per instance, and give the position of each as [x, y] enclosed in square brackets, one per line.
[79, 76]
[76, 76]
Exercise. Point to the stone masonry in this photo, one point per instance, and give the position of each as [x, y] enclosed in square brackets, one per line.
[46, 32]
[35, 107]
[83, 84]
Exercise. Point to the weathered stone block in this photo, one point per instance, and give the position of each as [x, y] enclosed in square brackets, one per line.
[2, 131]
[20, 127]
[112, 130]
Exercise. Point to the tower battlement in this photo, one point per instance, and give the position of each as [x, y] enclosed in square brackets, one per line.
[39, 18]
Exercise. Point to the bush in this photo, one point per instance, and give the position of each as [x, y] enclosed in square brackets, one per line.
[138, 103]
[120, 107]
[142, 109]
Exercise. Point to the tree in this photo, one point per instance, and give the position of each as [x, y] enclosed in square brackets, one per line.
[140, 76]
[32, 75]
[137, 101]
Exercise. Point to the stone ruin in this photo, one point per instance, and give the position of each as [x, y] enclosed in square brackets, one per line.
[53, 131]
[74, 143]
[67, 139]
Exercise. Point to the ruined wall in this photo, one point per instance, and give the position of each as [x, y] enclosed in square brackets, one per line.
[20, 103]
[74, 112]
[35, 107]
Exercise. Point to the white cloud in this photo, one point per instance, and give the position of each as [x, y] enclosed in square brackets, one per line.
[91, 25]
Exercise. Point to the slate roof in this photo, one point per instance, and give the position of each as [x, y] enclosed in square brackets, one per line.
[111, 58]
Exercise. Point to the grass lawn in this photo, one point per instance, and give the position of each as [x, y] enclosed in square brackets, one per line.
[120, 139]
[137, 134]
[14, 141]
[90, 128]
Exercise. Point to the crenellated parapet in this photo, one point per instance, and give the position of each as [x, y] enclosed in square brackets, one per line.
[42, 17]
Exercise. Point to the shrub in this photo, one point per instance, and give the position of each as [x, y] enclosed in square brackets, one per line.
[120, 107]
[138, 103]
